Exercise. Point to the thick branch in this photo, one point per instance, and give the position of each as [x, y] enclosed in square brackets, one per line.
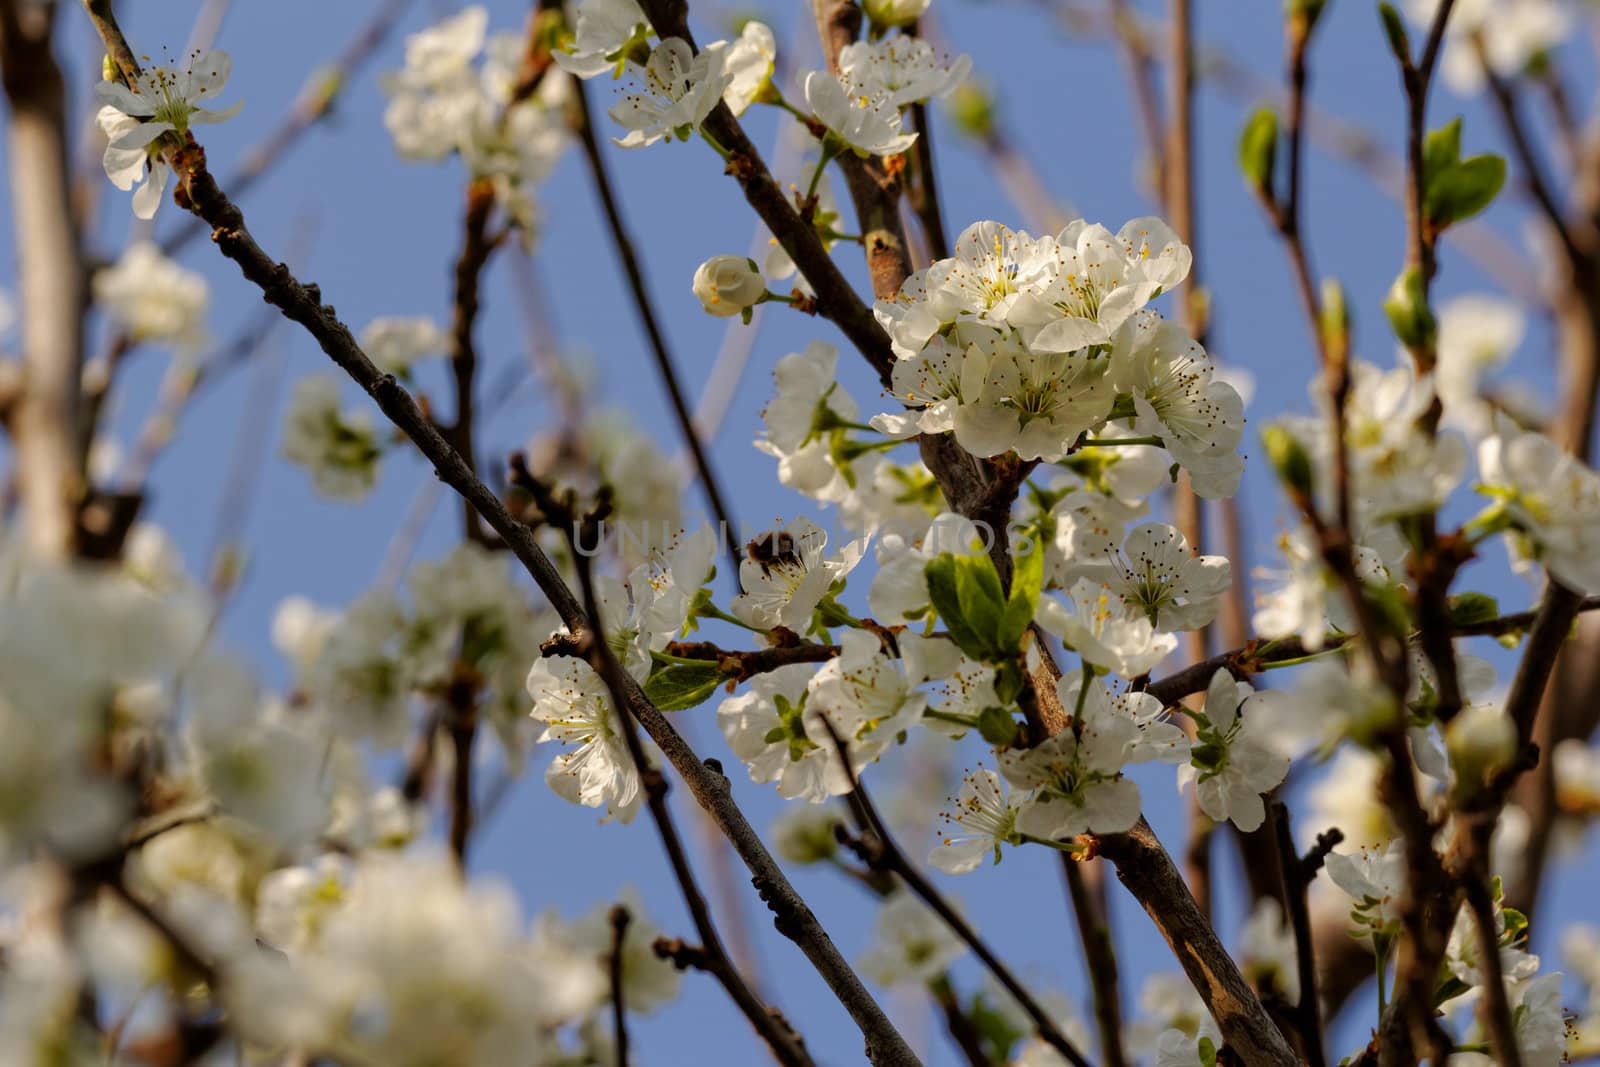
[52, 284]
[1144, 867]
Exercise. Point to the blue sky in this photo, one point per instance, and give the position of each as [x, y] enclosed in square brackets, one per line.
[382, 234]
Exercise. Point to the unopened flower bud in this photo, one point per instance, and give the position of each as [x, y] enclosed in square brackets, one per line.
[1481, 740]
[804, 834]
[885, 14]
[1289, 458]
[727, 285]
[1408, 310]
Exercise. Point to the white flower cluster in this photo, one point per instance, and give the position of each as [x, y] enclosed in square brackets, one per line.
[1375, 881]
[639, 616]
[369, 665]
[1027, 345]
[458, 93]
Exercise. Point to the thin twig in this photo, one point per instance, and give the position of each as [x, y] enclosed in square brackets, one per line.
[1494, 1009]
[773, 1028]
[620, 918]
[1295, 875]
[1099, 954]
[881, 852]
[314, 102]
[645, 306]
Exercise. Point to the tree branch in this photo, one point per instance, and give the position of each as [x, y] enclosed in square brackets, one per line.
[645, 306]
[52, 284]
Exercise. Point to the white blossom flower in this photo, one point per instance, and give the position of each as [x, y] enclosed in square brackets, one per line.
[1096, 281]
[801, 420]
[990, 267]
[301, 630]
[1539, 1022]
[1514, 34]
[359, 671]
[1346, 797]
[1087, 525]
[1463, 956]
[606, 34]
[1077, 775]
[749, 64]
[340, 448]
[260, 763]
[1032, 403]
[573, 702]
[443, 52]
[1232, 762]
[1376, 882]
[869, 125]
[1168, 1002]
[435, 98]
[680, 88]
[728, 285]
[1177, 397]
[1157, 576]
[665, 585]
[932, 383]
[1307, 602]
[902, 70]
[869, 697]
[1157, 739]
[769, 727]
[153, 298]
[787, 575]
[411, 967]
[396, 343]
[911, 944]
[1104, 629]
[1476, 335]
[1551, 498]
[899, 591]
[803, 834]
[1267, 951]
[981, 819]
[161, 100]
[649, 982]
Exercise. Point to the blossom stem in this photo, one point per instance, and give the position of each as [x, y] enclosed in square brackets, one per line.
[709, 610]
[1115, 442]
[716, 146]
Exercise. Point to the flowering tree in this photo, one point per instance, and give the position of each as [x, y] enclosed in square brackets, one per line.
[1024, 549]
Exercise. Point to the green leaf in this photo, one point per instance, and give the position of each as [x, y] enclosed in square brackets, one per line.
[946, 600]
[1258, 149]
[1394, 28]
[1464, 189]
[1207, 1050]
[1008, 681]
[1469, 609]
[680, 686]
[983, 602]
[1440, 149]
[997, 726]
[1027, 578]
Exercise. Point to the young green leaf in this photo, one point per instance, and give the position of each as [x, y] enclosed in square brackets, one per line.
[1258, 149]
[680, 686]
